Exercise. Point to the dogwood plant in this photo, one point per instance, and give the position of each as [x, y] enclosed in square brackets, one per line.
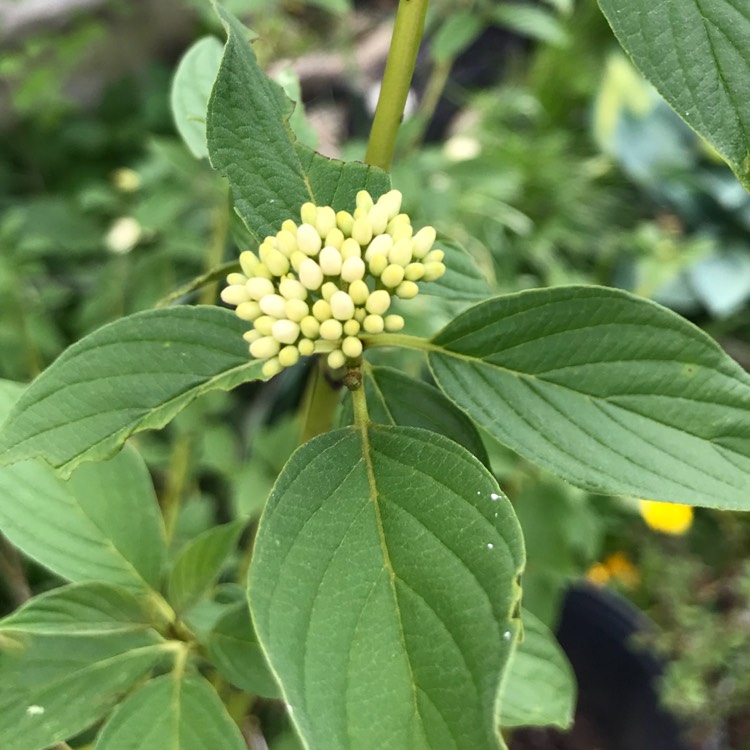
[385, 583]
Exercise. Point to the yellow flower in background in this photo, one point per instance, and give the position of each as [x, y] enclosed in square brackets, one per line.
[616, 567]
[667, 518]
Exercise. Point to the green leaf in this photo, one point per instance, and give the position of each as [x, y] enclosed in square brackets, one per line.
[191, 89]
[336, 183]
[66, 657]
[529, 21]
[250, 140]
[199, 564]
[134, 374]
[305, 133]
[611, 392]
[539, 688]
[462, 281]
[171, 712]
[696, 54]
[394, 398]
[384, 584]
[460, 29]
[234, 650]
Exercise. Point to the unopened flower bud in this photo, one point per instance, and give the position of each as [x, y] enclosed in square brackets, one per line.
[378, 263]
[259, 288]
[264, 324]
[296, 260]
[296, 309]
[308, 213]
[391, 202]
[336, 359]
[393, 275]
[407, 290]
[351, 347]
[351, 249]
[373, 324]
[414, 271]
[310, 274]
[289, 226]
[345, 222]
[262, 272]
[423, 241]
[433, 271]
[359, 292]
[378, 218]
[264, 347]
[380, 245]
[351, 327]
[248, 261]
[251, 336]
[235, 294]
[378, 302]
[335, 238]
[321, 310]
[328, 290]
[342, 306]
[236, 279]
[353, 269]
[285, 331]
[292, 289]
[362, 231]
[393, 323]
[310, 327]
[308, 240]
[306, 347]
[276, 262]
[271, 367]
[434, 256]
[287, 242]
[330, 261]
[331, 330]
[325, 220]
[273, 305]
[363, 200]
[401, 252]
[248, 310]
[289, 356]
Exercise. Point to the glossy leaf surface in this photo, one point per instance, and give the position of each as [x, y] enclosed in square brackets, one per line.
[611, 392]
[383, 588]
[696, 54]
[134, 374]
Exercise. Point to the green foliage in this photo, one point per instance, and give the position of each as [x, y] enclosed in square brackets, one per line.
[345, 599]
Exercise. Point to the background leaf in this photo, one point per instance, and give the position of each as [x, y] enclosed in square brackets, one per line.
[347, 604]
[396, 399]
[539, 687]
[462, 281]
[611, 392]
[191, 89]
[66, 657]
[199, 564]
[134, 374]
[234, 650]
[696, 54]
[103, 524]
[171, 712]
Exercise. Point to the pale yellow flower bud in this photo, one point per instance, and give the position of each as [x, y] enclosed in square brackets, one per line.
[251, 336]
[325, 220]
[401, 252]
[373, 324]
[331, 330]
[262, 272]
[433, 271]
[351, 327]
[285, 331]
[391, 201]
[380, 245]
[401, 221]
[289, 356]
[353, 269]
[306, 347]
[378, 264]
[345, 222]
[264, 325]
[276, 262]
[310, 327]
[393, 275]
[393, 323]
[310, 274]
[296, 260]
[342, 306]
[330, 261]
[360, 314]
[378, 217]
[296, 309]
[351, 347]
[359, 292]
[235, 294]
[248, 261]
[378, 302]
[248, 310]
[364, 200]
[292, 289]
[273, 305]
[434, 256]
[272, 367]
[414, 271]
[328, 290]
[287, 242]
[308, 213]
[237, 278]
[335, 238]
[259, 288]
[407, 290]
[289, 226]
[336, 359]
[308, 240]
[321, 310]
[362, 231]
[264, 347]
[423, 241]
[351, 249]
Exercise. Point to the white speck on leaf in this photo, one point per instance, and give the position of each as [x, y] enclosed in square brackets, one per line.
[506, 635]
[494, 496]
[34, 710]
[490, 545]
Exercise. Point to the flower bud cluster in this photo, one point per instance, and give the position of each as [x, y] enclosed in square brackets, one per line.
[317, 286]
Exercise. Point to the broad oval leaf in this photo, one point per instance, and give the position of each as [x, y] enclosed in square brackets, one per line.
[103, 524]
[539, 687]
[191, 88]
[56, 680]
[183, 713]
[199, 563]
[696, 54]
[611, 392]
[134, 374]
[234, 650]
[397, 399]
[384, 584]
[463, 281]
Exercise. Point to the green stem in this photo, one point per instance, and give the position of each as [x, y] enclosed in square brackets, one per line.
[179, 470]
[400, 339]
[359, 404]
[320, 404]
[407, 34]
[216, 247]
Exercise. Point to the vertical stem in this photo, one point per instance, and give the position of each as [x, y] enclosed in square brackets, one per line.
[407, 34]
[321, 400]
[215, 251]
[179, 469]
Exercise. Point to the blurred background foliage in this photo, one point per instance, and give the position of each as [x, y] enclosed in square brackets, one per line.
[530, 139]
